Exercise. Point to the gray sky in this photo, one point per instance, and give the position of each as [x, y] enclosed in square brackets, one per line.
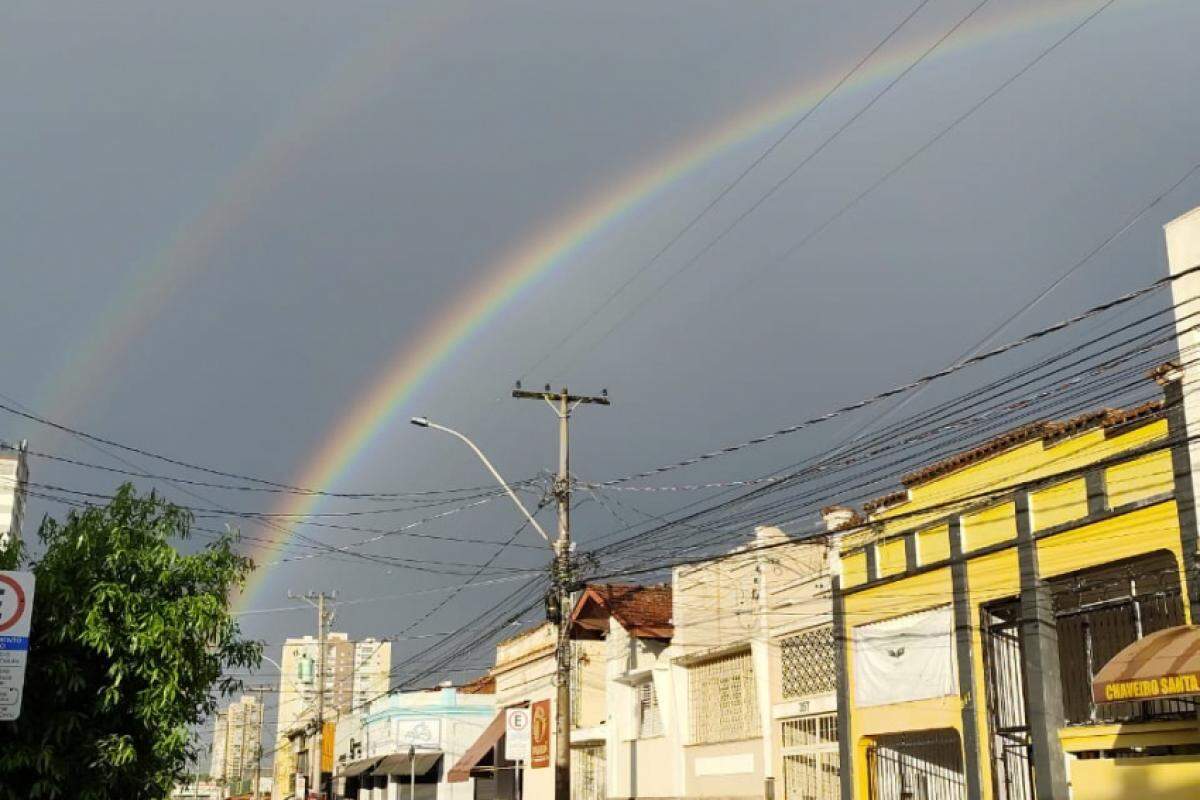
[282, 194]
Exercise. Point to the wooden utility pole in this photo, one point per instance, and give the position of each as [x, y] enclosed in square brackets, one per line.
[317, 601]
[562, 404]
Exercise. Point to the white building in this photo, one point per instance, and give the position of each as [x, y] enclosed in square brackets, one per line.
[235, 742]
[405, 744]
[14, 475]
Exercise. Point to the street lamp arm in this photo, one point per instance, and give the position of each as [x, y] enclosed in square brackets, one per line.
[422, 422]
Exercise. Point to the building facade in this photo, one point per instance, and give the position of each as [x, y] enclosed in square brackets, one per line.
[355, 673]
[402, 746]
[976, 605]
[235, 750]
[525, 677]
[14, 476]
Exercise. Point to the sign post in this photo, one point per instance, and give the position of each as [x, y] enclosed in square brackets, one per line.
[16, 608]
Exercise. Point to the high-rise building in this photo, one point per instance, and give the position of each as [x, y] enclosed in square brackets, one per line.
[355, 672]
[235, 741]
[14, 475]
[372, 667]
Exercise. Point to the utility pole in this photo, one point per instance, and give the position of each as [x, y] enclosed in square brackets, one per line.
[224, 787]
[317, 601]
[562, 404]
[258, 754]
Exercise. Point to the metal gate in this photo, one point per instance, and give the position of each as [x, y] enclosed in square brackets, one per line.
[1012, 767]
[920, 766]
[810, 758]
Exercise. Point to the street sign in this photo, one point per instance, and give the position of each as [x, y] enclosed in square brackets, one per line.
[16, 608]
[517, 734]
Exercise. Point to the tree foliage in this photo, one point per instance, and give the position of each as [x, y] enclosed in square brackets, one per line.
[129, 643]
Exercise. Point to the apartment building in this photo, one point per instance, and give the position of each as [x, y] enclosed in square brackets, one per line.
[355, 672]
[14, 476]
[235, 742]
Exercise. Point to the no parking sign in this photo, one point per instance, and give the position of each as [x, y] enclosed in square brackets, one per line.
[16, 608]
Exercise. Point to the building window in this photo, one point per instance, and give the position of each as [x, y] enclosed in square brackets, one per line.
[721, 699]
[1098, 613]
[916, 765]
[648, 717]
[809, 666]
[810, 758]
[576, 683]
[587, 773]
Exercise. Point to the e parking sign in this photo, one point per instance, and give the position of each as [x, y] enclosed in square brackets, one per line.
[16, 608]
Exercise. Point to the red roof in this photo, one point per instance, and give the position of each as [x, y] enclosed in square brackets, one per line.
[644, 611]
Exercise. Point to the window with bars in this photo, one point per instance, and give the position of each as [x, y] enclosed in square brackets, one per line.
[721, 699]
[648, 717]
[587, 773]
[810, 758]
[809, 665]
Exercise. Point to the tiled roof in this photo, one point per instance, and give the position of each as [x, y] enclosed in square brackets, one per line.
[1048, 431]
[644, 611]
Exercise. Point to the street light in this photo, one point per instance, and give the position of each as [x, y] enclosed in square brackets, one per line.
[424, 422]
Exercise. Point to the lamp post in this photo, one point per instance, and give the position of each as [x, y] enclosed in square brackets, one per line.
[563, 404]
[424, 422]
[412, 772]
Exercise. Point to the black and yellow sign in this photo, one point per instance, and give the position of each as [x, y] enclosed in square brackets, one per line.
[1146, 688]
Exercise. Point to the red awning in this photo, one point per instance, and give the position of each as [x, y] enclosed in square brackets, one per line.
[479, 750]
[1163, 664]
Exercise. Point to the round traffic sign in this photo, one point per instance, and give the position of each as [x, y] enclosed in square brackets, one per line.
[12, 609]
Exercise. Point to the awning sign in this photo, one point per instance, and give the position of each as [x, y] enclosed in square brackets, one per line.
[517, 734]
[1147, 688]
[16, 608]
[1163, 664]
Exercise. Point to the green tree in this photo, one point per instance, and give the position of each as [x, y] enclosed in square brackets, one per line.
[129, 644]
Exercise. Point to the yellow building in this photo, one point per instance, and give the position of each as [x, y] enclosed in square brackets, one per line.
[975, 607]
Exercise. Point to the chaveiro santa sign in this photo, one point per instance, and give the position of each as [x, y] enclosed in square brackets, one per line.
[16, 608]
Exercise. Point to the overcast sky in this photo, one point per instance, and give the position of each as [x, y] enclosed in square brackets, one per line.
[220, 221]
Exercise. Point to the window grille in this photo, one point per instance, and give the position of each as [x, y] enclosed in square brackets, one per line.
[587, 773]
[809, 665]
[721, 699]
[649, 718]
[1100, 611]
[810, 758]
[928, 765]
[576, 685]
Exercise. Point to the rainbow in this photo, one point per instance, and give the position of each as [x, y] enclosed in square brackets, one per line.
[149, 287]
[414, 366]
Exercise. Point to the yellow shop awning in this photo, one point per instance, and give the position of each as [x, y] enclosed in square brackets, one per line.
[1163, 664]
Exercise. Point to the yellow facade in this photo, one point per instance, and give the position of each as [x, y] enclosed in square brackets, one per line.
[1137, 517]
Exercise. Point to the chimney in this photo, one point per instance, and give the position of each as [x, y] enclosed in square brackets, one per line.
[838, 517]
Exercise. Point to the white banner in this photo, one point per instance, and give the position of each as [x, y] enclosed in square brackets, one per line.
[907, 658]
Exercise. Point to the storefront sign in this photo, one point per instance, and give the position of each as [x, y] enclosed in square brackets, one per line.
[1147, 688]
[517, 734]
[419, 732]
[540, 735]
